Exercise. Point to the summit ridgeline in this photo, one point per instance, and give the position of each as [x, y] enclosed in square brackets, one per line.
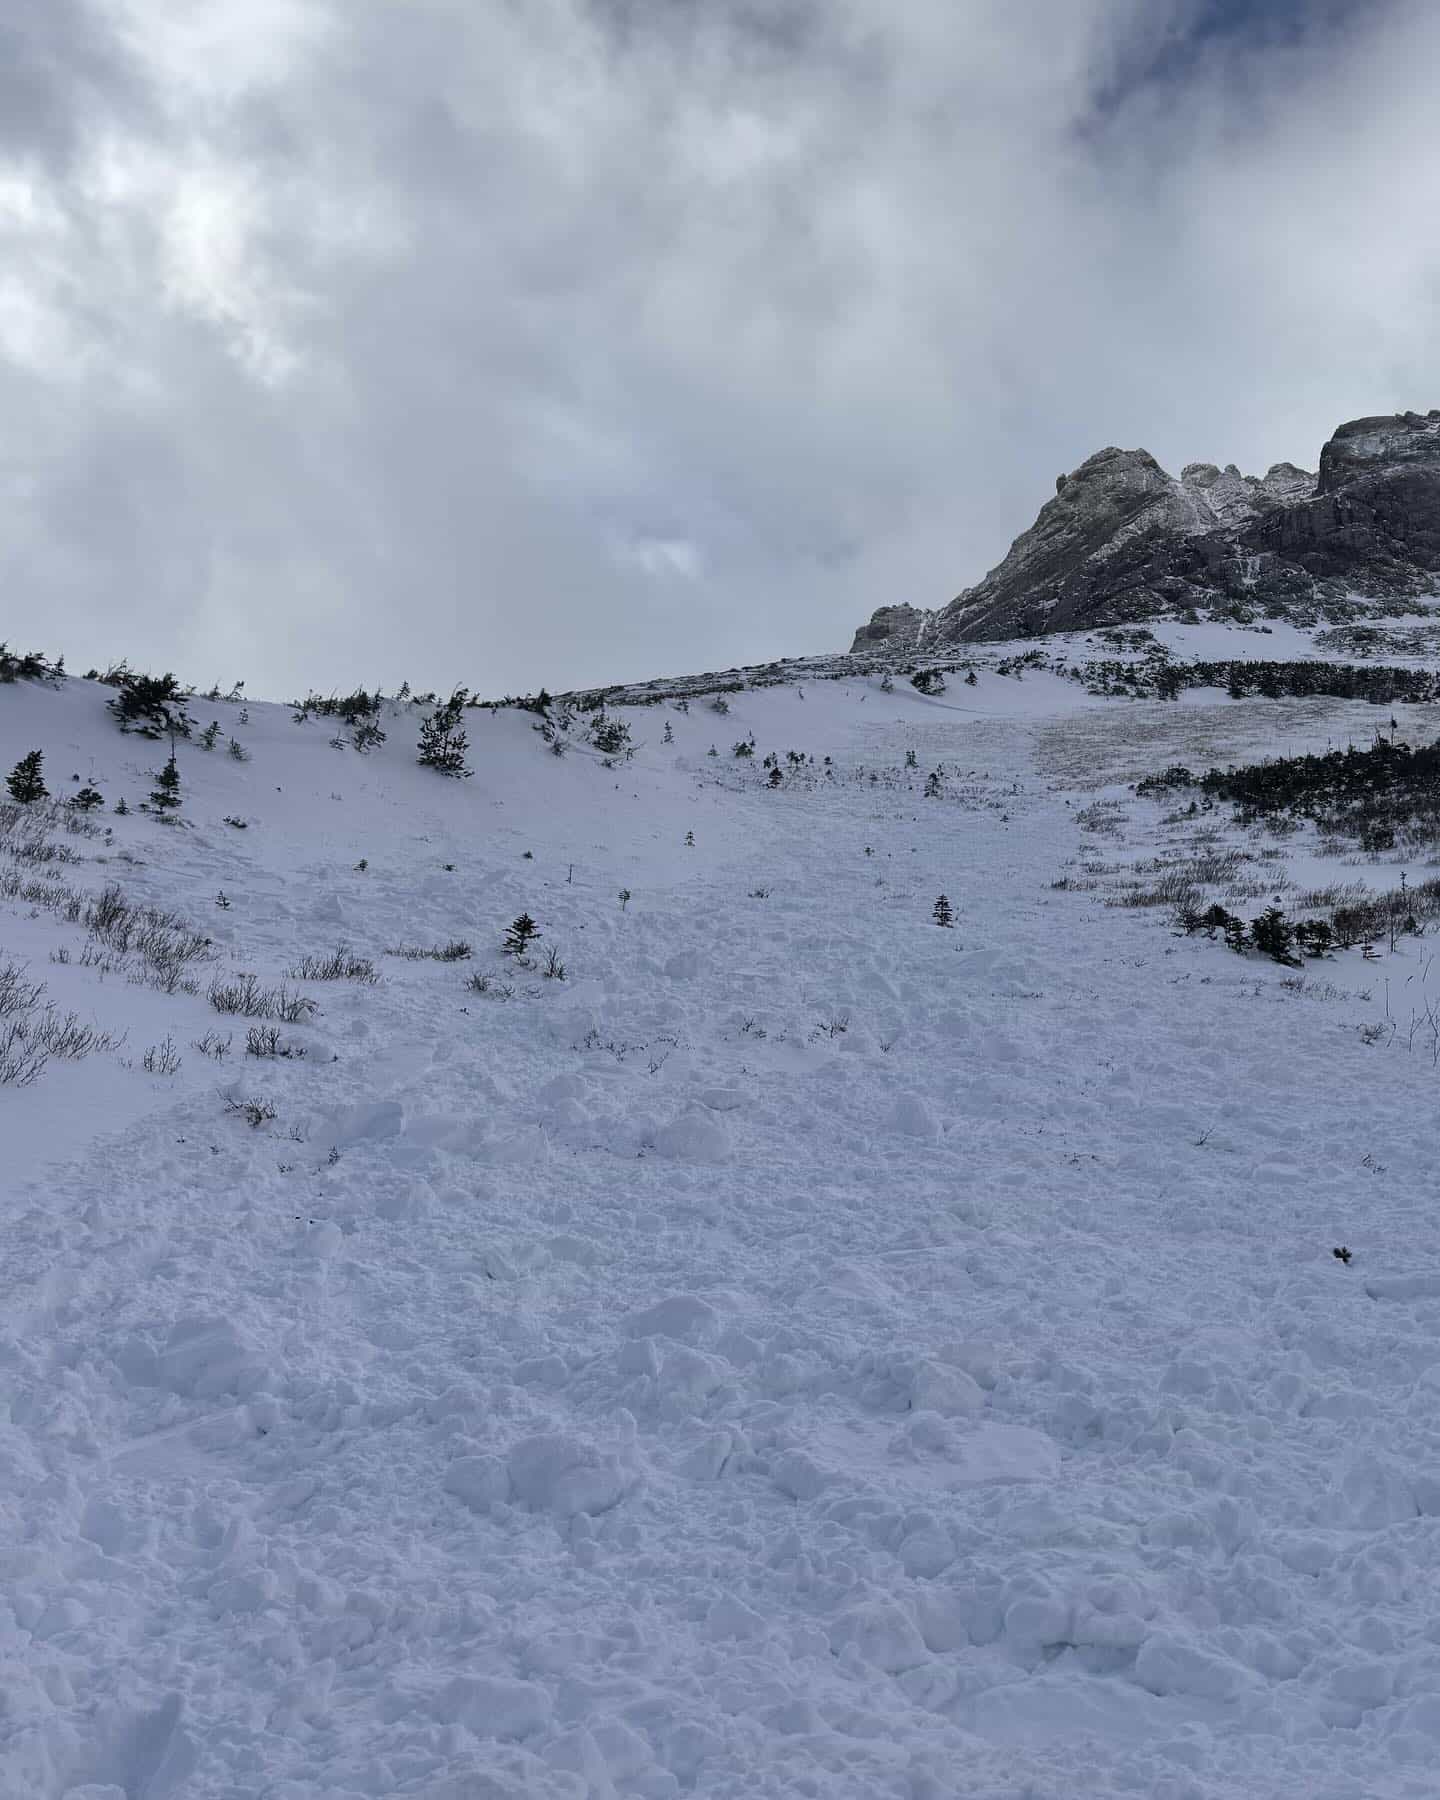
[1123, 541]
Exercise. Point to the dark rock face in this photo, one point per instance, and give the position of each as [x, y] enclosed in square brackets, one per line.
[1122, 541]
[894, 625]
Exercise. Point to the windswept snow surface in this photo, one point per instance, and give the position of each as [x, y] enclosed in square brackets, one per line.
[805, 1352]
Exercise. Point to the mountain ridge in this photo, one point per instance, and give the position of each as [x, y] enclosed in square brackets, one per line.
[1122, 540]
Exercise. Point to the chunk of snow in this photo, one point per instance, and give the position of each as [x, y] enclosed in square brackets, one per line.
[685, 1317]
[694, 1138]
[495, 1707]
[559, 1473]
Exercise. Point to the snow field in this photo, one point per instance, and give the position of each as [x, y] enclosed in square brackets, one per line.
[805, 1352]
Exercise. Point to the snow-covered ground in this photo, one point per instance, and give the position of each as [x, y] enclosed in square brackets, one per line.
[804, 1352]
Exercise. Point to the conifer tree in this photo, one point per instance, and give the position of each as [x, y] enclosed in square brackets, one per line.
[25, 781]
[165, 795]
[443, 743]
[520, 934]
[944, 914]
[1273, 935]
[776, 778]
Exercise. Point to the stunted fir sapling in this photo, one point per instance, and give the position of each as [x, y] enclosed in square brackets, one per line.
[520, 934]
[165, 795]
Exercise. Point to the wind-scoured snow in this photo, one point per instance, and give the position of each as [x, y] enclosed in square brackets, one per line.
[803, 1352]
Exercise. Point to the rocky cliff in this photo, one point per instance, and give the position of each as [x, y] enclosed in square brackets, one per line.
[1122, 540]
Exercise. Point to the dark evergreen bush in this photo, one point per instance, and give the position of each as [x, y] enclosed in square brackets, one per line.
[521, 932]
[151, 705]
[165, 795]
[26, 781]
[443, 743]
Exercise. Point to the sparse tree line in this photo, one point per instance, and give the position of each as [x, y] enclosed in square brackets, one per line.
[30, 665]
[1362, 922]
[1158, 677]
[1371, 796]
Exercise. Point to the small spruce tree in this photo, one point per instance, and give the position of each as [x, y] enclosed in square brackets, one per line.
[25, 781]
[443, 743]
[1274, 936]
[910, 760]
[932, 785]
[165, 795]
[522, 931]
[1314, 937]
[944, 914]
[777, 779]
[87, 798]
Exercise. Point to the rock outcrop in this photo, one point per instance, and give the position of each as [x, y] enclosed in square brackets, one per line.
[1124, 541]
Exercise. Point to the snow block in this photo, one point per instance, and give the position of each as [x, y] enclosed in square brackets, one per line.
[203, 1358]
[1376, 1494]
[799, 1476]
[375, 1122]
[492, 1706]
[879, 1635]
[480, 1481]
[685, 1317]
[1165, 1665]
[1403, 1287]
[561, 1474]
[693, 1137]
[913, 1118]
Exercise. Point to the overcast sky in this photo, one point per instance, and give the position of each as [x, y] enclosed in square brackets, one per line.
[512, 342]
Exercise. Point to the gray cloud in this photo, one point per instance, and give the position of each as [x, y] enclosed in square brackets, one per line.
[567, 342]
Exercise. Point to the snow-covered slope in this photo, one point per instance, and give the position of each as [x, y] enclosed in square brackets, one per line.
[804, 1351]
